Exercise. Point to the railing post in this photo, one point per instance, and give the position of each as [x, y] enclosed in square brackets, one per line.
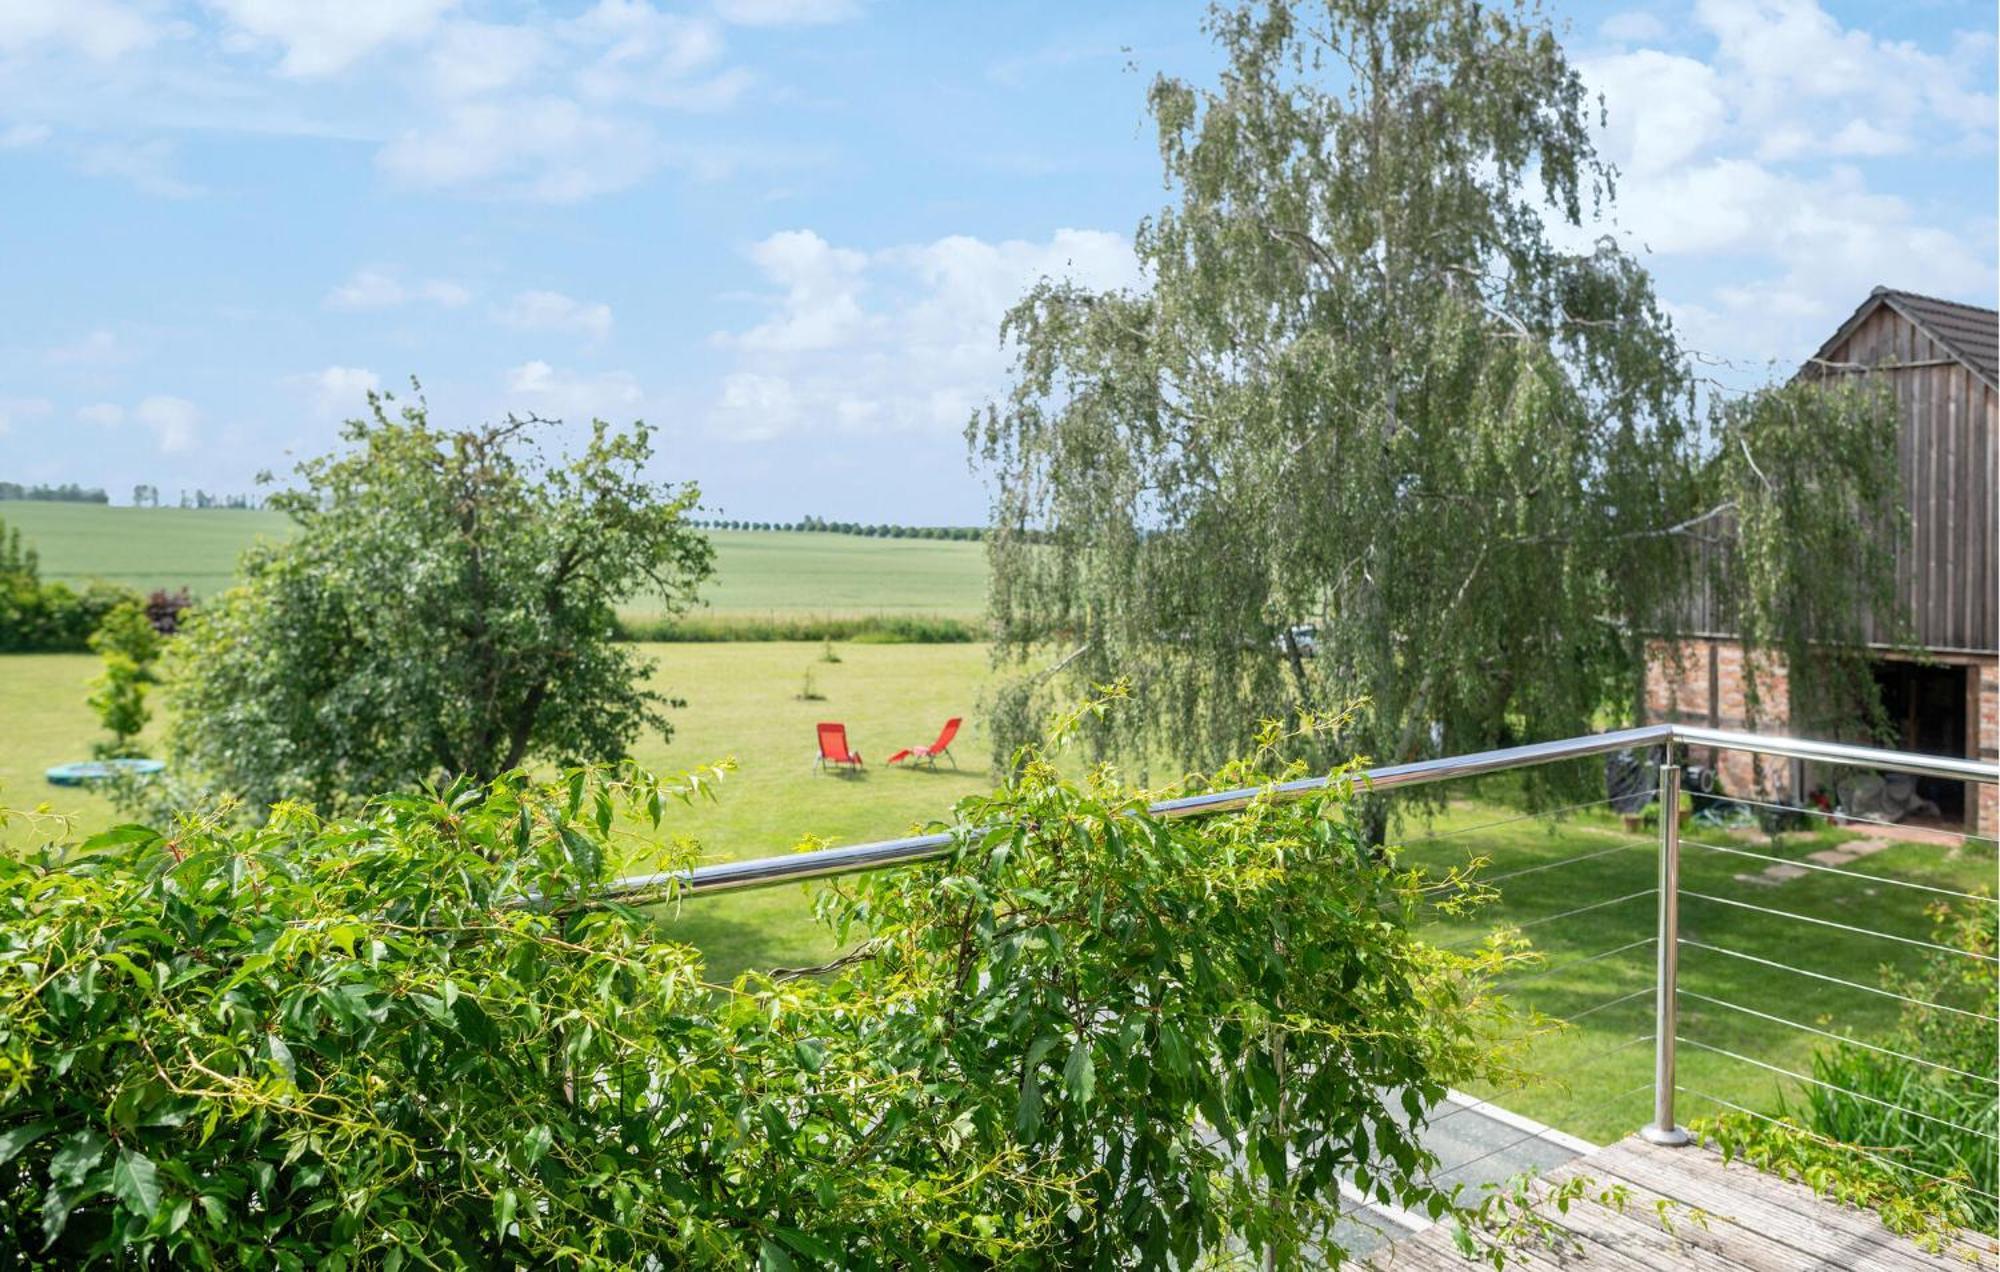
[1664, 1130]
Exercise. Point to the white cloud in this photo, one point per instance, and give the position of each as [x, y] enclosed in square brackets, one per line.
[102, 30]
[906, 338]
[1796, 72]
[544, 148]
[471, 58]
[375, 287]
[323, 38]
[21, 136]
[338, 390]
[171, 420]
[634, 49]
[1660, 108]
[571, 396]
[559, 110]
[553, 311]
[101, 414]
[822, 283]
[1740, 171]
[787, 12]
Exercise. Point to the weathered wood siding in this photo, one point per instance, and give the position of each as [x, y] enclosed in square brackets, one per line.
[1947, 566]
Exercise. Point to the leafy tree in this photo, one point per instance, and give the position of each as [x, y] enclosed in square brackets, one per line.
[444, 608]
[130, 646]
[1096, 1039]
[1370, 430]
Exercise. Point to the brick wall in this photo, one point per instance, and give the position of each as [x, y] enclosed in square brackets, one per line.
[1709, 684]
[1706, 685]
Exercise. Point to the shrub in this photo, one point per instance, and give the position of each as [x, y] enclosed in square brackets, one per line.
[414, 1037]
[130, 647]
[52, 617]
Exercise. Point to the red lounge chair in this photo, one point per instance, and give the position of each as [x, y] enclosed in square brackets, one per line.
[833, 748]
[929, 754]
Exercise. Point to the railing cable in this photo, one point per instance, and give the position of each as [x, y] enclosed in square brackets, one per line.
[1842, 1038]
[1586, 1062]
[1852, 874]
[1844, 927]
[1835, 818]
[1886, 993]
[1834, 1143]
[1477, 881]
[1435, 836]
[1835, 1086]
[1568, 963]
[1551, 918]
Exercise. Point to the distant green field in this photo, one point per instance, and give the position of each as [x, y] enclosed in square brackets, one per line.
[144, 547]
[757, 572]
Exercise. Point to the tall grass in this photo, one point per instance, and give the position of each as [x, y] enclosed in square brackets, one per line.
[863, 629]
[1922, 1119]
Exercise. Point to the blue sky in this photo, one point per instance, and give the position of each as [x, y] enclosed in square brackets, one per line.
[783, 231]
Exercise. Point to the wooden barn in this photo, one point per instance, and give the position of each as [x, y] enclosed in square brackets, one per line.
[1943, 359]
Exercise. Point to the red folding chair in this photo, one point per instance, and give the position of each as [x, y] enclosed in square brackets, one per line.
[833, 750]
[929, 754]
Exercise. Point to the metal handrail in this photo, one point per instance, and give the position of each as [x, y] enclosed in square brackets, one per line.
[728, 876]
[758, 872]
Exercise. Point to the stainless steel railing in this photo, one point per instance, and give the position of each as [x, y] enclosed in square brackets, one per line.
[761, 872]
[1664, 1128]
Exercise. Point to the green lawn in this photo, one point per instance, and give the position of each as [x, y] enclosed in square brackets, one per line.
[757, 572]
[743, 705]
[1594, 1066]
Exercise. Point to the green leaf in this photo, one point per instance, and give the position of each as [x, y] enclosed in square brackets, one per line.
[135, 1182]
[117, 835]
[76, 1157]
[504, 1204]
[771, 1257]
[1080, 1074]
[811, 1054]
[14, 1140]
[537, 1142]
[281, 1057]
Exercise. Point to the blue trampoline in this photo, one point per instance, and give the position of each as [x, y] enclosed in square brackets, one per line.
[88, 771]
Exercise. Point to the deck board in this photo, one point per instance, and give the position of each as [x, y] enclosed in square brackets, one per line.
[1748, 1222]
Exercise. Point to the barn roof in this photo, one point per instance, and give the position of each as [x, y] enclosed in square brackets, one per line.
[1969, 333]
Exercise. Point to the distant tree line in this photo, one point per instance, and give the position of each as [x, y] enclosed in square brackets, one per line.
[68, 492]
[820, 525]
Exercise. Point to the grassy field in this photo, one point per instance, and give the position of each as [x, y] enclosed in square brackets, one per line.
[743, 704]
[757, 572]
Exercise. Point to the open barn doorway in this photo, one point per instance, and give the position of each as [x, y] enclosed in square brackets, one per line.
[1927, 709]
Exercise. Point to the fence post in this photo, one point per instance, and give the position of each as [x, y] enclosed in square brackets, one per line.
[1664, 1130]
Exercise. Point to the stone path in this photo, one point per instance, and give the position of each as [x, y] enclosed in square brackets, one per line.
[1853, 850]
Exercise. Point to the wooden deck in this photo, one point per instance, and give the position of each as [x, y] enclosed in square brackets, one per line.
[1752, 1220]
